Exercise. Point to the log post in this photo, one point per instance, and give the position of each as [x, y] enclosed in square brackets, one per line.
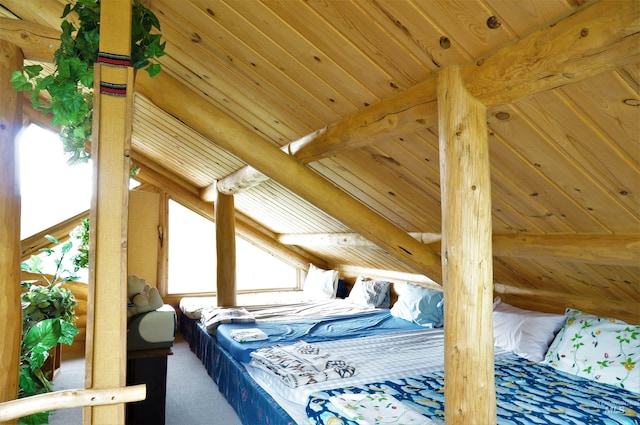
[466, 253]
[225, 249]
[113, 105]
[11, 324]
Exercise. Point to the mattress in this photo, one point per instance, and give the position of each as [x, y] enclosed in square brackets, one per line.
[310, 330]
[273, 304]
[413, 352]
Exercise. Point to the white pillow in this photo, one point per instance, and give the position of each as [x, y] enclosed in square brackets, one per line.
[320, 284]
[600, 349]
[420, 305]
[527, 333]
[370, 293]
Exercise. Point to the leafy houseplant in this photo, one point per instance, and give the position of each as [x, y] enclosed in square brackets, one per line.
[70, 87]
[48, 319]
[81, 233]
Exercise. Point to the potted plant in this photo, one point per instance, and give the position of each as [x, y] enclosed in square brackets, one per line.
[70, 86]
[48, 320]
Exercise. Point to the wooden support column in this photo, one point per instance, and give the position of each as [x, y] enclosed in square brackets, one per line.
[11, 324]
[107, 318]
[466, 254]
[225, 249]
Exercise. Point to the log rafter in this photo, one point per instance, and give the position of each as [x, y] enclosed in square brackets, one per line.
[416, 108]
[613, 249]
[615, 45]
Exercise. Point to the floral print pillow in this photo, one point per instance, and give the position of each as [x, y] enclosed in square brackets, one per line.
[596, 348]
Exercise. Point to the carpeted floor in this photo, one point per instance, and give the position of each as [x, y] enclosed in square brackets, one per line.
[192, 396]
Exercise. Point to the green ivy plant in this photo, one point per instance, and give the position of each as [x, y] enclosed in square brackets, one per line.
[81, 233]
[48, 319]
[70, 87]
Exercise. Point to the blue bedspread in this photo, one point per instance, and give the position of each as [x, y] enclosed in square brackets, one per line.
[527, 393]
[311, 330]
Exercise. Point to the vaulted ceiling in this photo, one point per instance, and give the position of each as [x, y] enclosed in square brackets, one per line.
[347, 87]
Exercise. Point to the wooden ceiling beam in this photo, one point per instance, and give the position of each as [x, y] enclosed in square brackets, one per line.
[202, 116]
[34, 243]
[558, 301]
[37, 42]
[612, 250]
[343, 239]
[595, 40]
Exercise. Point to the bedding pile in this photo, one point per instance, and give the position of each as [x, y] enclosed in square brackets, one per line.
[300, 364]
[213, 317]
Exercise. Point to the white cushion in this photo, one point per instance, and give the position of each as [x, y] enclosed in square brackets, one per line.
[525, 332]
[320, 284]
[420, 305]
[370, 293]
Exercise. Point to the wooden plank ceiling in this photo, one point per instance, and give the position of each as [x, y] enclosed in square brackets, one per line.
[563, 162]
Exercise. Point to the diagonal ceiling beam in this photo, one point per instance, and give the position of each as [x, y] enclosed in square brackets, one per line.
[609, 249]
[597, 39]
[201, 115]
[37, 42]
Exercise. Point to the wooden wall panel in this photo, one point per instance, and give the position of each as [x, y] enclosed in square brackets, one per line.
[142, 236]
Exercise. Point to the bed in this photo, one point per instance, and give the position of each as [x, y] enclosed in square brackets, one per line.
[535, 383]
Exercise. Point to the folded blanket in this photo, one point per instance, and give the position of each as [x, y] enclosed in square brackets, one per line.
[212, 317]
[244, 335]
[375, 409]
[300, 364]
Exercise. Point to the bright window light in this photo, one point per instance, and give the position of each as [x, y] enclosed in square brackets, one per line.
[191, 252]
[192, 258]
[256, 269]
[51, 189]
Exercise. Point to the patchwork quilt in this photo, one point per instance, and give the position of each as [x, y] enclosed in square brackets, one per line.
[526, 392]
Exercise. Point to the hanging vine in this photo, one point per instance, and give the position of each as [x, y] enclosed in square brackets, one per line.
[69, 89]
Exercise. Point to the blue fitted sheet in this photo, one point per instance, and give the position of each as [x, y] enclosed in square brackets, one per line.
[312, 330]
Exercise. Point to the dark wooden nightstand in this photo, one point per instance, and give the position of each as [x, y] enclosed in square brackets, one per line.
[148, 367]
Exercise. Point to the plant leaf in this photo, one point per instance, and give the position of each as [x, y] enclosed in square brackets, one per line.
[52, 239]
[35, 419]
[69, 331]
[154, 69]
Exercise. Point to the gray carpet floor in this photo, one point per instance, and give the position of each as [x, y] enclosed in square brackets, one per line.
[192, 396]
